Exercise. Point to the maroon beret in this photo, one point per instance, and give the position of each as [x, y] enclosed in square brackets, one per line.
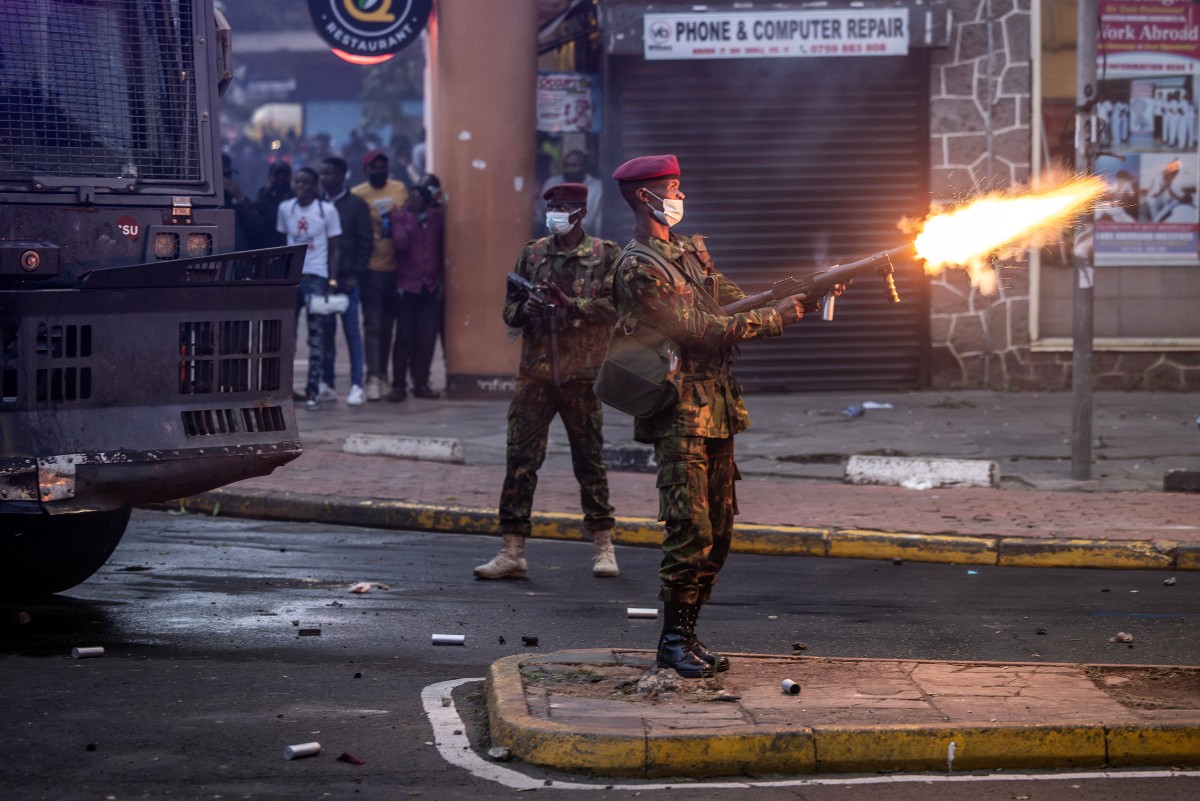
[646, 168]
[566, 193]
[371, 155]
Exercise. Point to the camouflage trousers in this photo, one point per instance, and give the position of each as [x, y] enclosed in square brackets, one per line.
[697, 501]
[529, 416]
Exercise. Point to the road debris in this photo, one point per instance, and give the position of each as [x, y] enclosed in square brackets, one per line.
[499, 754]
[789, 687]
[309, 633]
[1169, 582]
[87, 652]
[799, 646]
[530, 642]
[648, 614]
[367, 586]
[449, 639]
[1121, 636]
[301, 750]
[347, 757]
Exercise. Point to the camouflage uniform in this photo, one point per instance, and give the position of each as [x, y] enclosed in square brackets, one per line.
[584, 274]
[693, 440]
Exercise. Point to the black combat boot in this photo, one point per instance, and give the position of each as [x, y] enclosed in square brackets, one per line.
[673, 651]
[719, 662]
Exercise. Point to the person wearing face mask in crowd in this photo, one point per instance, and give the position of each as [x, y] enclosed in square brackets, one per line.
[378, 288]
[669, 282]
[417, 235]
[574, 271]
[575, 166]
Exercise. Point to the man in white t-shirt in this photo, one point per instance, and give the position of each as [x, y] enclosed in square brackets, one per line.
[307, 220]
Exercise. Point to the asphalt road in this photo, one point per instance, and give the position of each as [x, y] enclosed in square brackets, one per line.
[214, 662]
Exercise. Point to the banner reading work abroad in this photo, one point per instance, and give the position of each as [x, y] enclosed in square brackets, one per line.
[1149, 56]
[776, 34]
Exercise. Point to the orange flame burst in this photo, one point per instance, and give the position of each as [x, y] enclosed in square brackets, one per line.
[1000, 222]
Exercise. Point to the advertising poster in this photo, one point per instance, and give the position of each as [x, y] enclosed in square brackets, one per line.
[1147, 117]
[568, 102]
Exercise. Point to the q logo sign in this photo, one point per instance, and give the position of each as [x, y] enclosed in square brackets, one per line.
[369, 27]
[130, 227]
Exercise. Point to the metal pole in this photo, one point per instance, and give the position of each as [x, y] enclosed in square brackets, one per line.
[1081, 329]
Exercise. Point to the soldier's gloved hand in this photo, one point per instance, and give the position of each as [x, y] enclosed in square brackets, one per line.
[791, 309]
[533, 306]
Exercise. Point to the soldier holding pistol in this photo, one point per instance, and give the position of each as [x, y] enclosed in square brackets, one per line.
[670, 283]
[561, 349]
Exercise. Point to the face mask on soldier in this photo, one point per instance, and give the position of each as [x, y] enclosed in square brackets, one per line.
[559, 222]
[672, 210]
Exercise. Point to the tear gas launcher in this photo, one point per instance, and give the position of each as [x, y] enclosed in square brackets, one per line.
[815, 286]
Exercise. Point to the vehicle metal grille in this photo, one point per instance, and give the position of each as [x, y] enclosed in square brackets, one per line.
[98, 90]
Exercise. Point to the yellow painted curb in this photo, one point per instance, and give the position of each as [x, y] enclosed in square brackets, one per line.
[1131, 555]
[1187, 557]
[858, 544]
[614, 752]
[853, 749]
[781, 540]
[1154, 744]
[734, 751]
[1160, 554]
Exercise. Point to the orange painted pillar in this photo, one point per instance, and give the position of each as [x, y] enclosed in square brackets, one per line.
[482, 74]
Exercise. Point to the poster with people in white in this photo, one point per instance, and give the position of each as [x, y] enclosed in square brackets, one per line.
[1147, 134]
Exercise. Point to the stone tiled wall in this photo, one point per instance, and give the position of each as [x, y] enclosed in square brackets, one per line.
[980, 139]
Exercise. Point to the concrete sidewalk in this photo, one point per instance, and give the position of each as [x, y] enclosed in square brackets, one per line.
[601, 711]
[793, 498]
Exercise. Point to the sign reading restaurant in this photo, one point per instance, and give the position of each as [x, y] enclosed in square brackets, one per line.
[369, 27]
[777, 34]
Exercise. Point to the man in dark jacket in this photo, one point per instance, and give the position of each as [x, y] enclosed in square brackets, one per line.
[356, 244]
[277, 190]
[248, 226]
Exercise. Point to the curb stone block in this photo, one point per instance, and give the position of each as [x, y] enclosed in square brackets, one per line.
[921, 473]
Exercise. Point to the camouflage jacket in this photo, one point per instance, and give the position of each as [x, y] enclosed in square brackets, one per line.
[711, 401]
[585, 275]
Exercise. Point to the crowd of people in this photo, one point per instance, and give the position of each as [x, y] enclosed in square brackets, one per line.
[373, 245]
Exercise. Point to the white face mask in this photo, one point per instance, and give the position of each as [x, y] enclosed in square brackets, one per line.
[672, 210]
[559, 222]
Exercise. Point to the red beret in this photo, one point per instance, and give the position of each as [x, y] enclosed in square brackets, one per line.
[645, 168]
[566, 193]
[371, 155]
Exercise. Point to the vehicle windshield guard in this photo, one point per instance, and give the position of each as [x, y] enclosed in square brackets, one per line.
[98, 93]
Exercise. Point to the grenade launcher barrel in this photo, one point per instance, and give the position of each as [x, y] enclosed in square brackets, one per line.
[815, 286]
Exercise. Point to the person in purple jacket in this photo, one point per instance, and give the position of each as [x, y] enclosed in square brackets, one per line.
[417, 234]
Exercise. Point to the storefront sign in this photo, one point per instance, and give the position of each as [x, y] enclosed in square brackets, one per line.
[1147, 124]
[369, 27]
[777, 34]
[568, 102]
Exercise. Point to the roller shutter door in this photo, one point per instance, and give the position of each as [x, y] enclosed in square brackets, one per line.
[791, 165]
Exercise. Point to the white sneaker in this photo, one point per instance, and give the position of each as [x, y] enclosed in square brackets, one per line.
[312, 403]
[326, 393]
[373, 390]
[356, 397]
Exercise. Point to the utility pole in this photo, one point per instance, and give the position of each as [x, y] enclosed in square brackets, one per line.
[1084, 295]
